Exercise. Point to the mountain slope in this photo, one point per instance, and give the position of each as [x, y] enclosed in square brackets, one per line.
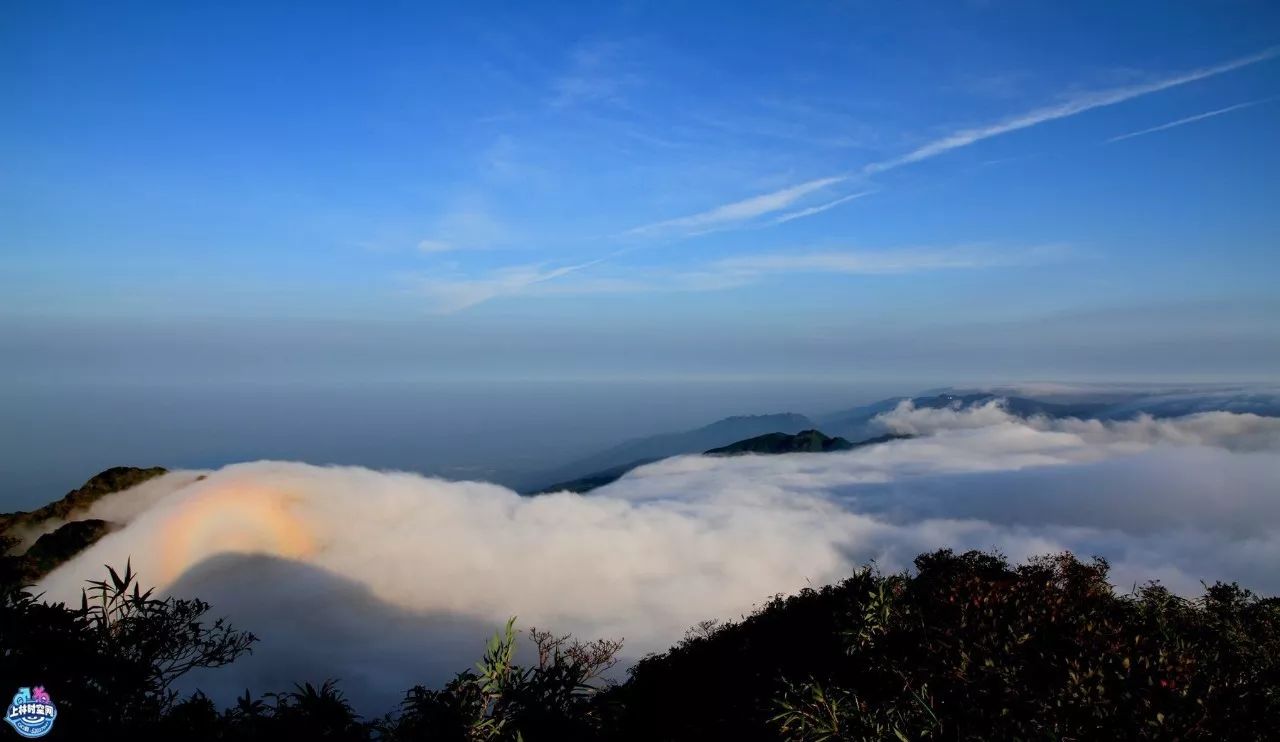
[592, 481]
[853, 424]
[651, 448]
[56, 547]
[68, 539]
[115, 479]
[806, 441]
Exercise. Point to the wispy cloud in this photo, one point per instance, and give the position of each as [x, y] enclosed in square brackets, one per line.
[453, 294]
[594, 76]
[1189, 119]
[879, 262]
[738, 211]
[649, 282]
[450, 294]
[1075, 105]
[471, 227]
[741, 212]
[810, 211]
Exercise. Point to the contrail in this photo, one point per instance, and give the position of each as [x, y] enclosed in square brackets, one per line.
[1190, 119]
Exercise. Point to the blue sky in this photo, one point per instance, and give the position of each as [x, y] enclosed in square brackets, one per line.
[813, 188]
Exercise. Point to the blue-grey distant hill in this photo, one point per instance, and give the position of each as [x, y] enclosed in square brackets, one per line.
[859, 423]
[1176, 405]
[806, 441]
[639, 451]
[594, 480]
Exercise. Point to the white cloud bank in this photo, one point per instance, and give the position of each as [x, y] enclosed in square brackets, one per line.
[389, 579]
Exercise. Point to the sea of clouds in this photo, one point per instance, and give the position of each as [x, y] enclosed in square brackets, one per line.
[387, 579]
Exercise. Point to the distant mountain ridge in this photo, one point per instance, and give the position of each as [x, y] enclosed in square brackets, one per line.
[806, 441]
[75, 535]
[859, 423]
[115, 479]
[630, 454]
[595, 480]
[853, 424]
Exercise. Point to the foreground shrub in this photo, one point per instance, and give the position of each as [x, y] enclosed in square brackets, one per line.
[965, 647]
[971, 648]
[114, 658]
[553, 700]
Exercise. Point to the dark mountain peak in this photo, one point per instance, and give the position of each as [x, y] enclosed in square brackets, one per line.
[581, 474]
[115, 479]
[70, 538]
[806, 441]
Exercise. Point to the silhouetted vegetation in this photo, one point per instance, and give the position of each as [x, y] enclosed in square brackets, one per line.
[971, 648]
[965, 647]
[113, 659]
